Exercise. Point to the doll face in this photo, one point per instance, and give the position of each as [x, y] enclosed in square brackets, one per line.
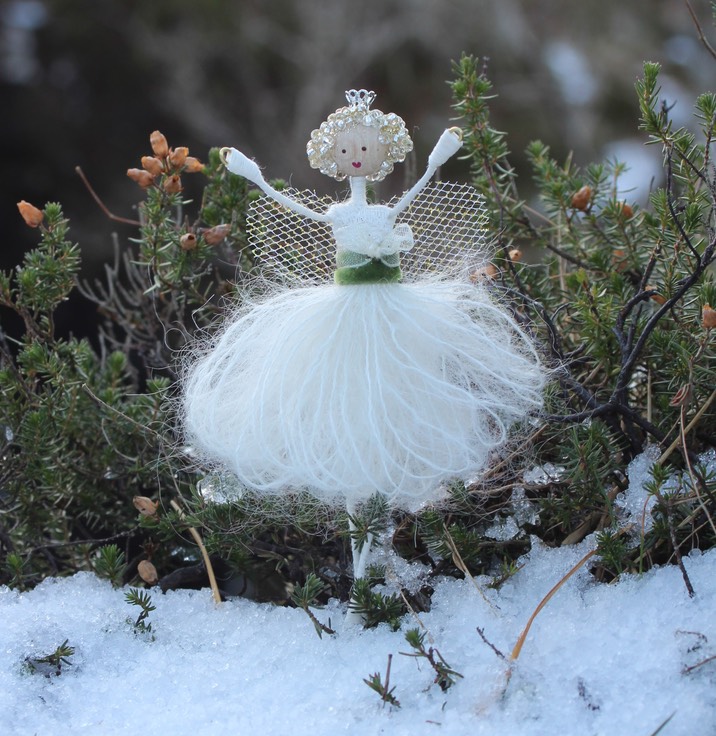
[358, 151]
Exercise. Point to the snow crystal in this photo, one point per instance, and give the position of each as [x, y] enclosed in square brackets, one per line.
[636, 502]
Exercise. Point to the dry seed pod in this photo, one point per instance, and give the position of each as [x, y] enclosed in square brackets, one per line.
[142, 177]
[486, 272]
[625, 210]
[619, 260]
[708, 317]
[159, 144]
[187, 241]
[148, 572]
[177, 157]
[193, 165]
[214, 235]
[581, 198]
[172, 184]
[153, 165]
[515, 254]
[145, 506]
[655, 296]
[32, 216]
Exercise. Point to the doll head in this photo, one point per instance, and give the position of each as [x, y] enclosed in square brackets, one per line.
[358, 141]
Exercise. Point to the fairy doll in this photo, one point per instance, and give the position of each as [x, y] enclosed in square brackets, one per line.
[397, 375]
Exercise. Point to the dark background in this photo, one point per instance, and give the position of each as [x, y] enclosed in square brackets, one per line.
[84, 82]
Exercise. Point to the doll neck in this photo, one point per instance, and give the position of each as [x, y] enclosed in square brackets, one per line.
[358, 190]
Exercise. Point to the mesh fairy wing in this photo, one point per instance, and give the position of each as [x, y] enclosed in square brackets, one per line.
[448, 222]
[288, 247]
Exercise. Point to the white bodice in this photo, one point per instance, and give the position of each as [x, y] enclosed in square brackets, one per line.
[368, 229]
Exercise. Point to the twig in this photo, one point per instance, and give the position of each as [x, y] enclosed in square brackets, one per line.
[700, 30]
[460, 564]
[520, 642]
[693, 667]
[205, 555]
[416, 617]
[101, 204]
[692, 476]
[675, 543]
[320, 627]
[481, 632]
[687, 429]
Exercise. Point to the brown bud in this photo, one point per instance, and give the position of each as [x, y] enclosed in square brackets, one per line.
[177, 157]
[148, 572]
[172, 184]
[214, 235]
[655, 296]
[193, 165]
[159, 144]
[32, 216]
[619, 260]
[486, 272]
[625, 210]
[153, 165]
[682, 396]
[581, 198]
[187, 241]
[708, 317]
[515, 254]
[142, 177]
[145, 506]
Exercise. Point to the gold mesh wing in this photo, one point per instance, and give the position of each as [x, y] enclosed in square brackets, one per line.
[449, 229]
[288, 247]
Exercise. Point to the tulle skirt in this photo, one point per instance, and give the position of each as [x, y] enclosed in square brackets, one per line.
[346, 391]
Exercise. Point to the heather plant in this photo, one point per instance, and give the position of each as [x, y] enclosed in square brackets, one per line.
[621, 297]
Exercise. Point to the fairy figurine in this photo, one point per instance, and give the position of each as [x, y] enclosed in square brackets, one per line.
[393, 375]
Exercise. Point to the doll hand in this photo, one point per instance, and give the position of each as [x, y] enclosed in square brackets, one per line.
[237, 163]
[448, 145]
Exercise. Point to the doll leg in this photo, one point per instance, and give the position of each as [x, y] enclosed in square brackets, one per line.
[360, 560]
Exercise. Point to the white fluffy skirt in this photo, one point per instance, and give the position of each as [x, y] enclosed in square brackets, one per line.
[346, 391]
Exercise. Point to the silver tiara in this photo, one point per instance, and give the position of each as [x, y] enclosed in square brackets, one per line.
[360, 98]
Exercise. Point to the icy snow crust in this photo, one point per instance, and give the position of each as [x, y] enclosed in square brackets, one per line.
[600, 659]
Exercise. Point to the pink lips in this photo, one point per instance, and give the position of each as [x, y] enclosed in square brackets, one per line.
[356, 164]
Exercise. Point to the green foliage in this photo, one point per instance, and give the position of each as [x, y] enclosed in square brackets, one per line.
[109, 564]
[51, 664]
[14, 565]
[375, 607]
[618, 298]
[85, 426]
[143, 600]
[369, 521]
[613, 551]
[305, 596]
[445, 676]
[375, 682]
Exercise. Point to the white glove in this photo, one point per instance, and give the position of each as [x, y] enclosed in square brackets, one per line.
[447, 146]
[241, 165]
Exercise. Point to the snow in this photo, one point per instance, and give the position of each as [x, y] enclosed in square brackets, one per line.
[599, 659]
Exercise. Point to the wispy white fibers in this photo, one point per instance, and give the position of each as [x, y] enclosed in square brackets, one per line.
[355, 389]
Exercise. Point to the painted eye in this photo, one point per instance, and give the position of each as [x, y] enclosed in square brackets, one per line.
[343, 150]
[363, 148]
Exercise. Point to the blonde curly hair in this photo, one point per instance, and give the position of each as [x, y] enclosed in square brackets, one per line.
[391, 132]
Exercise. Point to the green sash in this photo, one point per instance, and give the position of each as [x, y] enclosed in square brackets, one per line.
[384, 270]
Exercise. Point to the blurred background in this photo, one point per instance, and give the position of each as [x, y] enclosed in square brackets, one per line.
[84, 82]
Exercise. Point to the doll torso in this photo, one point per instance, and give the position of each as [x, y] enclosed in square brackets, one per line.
[368, 242]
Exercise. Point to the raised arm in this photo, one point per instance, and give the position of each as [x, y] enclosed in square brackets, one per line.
[241, 165]
[447, 146]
